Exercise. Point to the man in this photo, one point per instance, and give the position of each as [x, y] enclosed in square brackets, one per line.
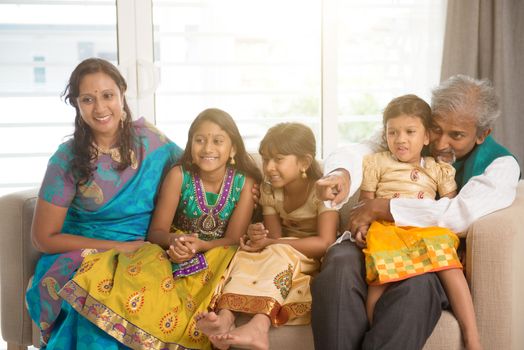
[464, 112]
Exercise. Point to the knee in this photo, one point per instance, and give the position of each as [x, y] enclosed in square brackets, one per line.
[342, 261]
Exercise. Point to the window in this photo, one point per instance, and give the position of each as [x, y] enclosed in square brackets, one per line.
[258, 61]
[40, 43]
[331, 64]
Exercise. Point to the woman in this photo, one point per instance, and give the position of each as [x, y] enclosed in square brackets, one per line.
[97, 194]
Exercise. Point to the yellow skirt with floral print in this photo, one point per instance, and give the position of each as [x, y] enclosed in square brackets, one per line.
[135, 298]
[395, 253]
[274, 282]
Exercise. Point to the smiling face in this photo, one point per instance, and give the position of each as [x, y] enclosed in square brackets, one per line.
[211, 147]
[406, 136]
[453, 136]
[101, 103]
[281, 170]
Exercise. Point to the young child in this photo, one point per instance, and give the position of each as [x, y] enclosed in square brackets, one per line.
[204, 206]
[396, 253]
[270, 275]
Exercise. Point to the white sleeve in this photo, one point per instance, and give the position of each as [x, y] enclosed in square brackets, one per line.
[495, 189]
[349, 158]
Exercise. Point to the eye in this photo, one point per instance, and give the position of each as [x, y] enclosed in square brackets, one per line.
[198, 139]
[457, 136]
[391, 132]
[218, 141]
[86, 100]
[108, 96]
[435, 129]
[411, 132]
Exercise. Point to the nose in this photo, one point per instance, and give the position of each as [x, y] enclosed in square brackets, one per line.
[99, 105]
[400, 137]
[208, 146]
[270, 165]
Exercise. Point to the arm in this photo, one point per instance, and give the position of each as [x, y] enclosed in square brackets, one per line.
[493, 190]
[47, 238]
[314, 246]
[165, 208]
[343, 169]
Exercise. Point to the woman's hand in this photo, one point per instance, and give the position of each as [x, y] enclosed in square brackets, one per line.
[256, 232]
[129, 247]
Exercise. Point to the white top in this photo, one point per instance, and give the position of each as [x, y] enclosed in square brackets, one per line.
[495, 189]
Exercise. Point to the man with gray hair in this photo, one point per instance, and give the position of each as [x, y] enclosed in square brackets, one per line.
[463, 113]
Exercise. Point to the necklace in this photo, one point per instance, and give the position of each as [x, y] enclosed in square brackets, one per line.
[209, 221]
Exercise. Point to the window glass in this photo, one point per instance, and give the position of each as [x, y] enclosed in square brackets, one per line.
[385, 49]
[40, 44]
[258, 61]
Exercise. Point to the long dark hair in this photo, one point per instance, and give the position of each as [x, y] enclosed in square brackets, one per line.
[244, 162]
[82, 143]
[292, 138]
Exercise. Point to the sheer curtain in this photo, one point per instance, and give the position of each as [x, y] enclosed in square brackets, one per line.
[484, 40]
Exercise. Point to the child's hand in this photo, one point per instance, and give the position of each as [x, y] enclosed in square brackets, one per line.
[250, 246]
[256, 232]
[181, 248]
[360, 236]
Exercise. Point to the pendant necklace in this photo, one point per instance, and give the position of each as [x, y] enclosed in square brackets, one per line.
[209, 221]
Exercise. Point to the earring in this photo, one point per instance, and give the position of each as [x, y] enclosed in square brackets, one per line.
[122, 119]
[303, 173]
[232, 161]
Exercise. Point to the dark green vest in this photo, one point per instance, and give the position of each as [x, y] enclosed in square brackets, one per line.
[478, 160]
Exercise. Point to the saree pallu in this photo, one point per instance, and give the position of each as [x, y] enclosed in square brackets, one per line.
[135, 298]
[122, 218]
[396, 253]
[275, 282]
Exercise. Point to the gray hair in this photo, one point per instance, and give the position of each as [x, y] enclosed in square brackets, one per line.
[471, 97]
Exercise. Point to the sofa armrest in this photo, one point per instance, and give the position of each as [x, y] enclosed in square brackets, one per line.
[495, 259]
[18, 259]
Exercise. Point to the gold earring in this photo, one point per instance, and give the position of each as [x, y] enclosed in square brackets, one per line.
[303, 173]
[232, 161]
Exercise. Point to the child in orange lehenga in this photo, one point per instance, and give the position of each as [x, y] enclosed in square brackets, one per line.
[396, 253]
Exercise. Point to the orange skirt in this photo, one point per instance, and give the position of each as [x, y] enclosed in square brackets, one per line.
[396, 253]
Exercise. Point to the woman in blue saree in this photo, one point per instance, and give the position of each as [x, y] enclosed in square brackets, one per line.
[98, 194]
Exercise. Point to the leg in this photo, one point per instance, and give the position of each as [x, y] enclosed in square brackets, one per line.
[374, 293]
[252, 335]
[406, 314]
[339, 292]
[462, 305]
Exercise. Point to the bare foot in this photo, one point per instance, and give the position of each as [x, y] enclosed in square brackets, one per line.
[252, 335]
[210, 323]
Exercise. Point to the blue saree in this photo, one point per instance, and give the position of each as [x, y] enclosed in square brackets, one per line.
[123, 217]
